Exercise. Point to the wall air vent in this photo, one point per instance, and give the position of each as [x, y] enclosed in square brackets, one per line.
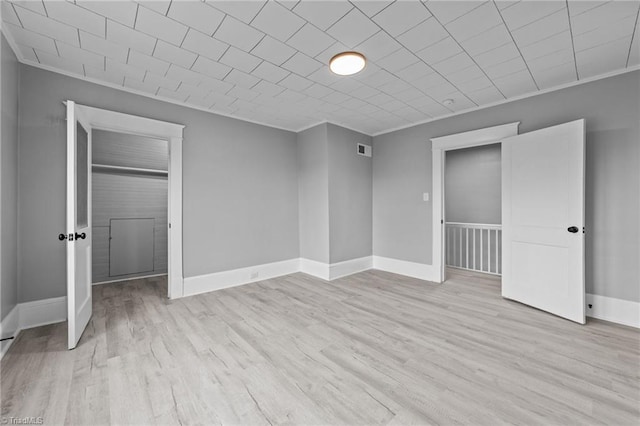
[364, 150]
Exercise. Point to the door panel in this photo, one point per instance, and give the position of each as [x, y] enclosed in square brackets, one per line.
[543, 195]
[78, 224]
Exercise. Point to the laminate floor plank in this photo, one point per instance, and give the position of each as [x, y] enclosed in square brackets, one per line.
[373, 348]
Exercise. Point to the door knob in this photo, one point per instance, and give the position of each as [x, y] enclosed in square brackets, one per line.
[573, 229]
[83, 236]
[62, 237]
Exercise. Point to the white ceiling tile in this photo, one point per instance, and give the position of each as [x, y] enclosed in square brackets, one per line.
[157, 81]
[60, 63]
[128, 71]
[76, 16]
[197, 101]
[8, 14]
[170, 53]
[160, 26]
[377, 78]
[31, 39]
[346, 85]
[196, 15]
[576, 7]
[301, 64]
[126, 36]
[28, 54]
[277, 21]
[191, 90]
[603, 15]
[455, 63]
[239, 59]
[220, 99]
[322, 14]
[398, 60]
[440, 51]
[160, 6]
[102, 75]
[204, 45]
[364, 92]
[41, 24]
[447, 11]
[497, 55]
[553, 59]
[103, 47]
[486, 96]
[505, 68]
[377, 46]
[408, 95]
[441, 91]
[401, 16]
[353, 28]
[503, 4]
[241, 79]
[80, 55]
[33, 5]
[217, 88]
[242, 93]
[210, 68]
[429, 81]
[170, 94]
[415, 71]
[310, 40]
[460, 102]
[598, 60]
[336, 98]
[267, 88]
[555, 76]
[245, 11]
[295, 82]
[318, 90]
[549, 25]
[423, 35]
[289, 4]
[123, 12]
[372, 7]
[560, 41]
[488, 40]
[184, 75]
[526, 12]
[605, 34]
[146, 62]
[469, 78]
[270, 72]
[394, 87]
[634, 53]
[333, 50]
[273, 50]
[477, 21]
[238, 34]
[515, 84]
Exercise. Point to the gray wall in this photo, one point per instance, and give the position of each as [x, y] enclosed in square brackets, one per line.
[472, 185]
[240, 191]
[118, 195]
[402, 172]
[313, 193]
[10, 77]
[350, 195]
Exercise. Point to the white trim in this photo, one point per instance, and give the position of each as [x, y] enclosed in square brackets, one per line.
[350, 267]
[140, 277]
[10, 326]
[610, 309]
[514, 99]
[314, 268]
[236, 277]
[420, 271]
[440, 145]
[43, 312]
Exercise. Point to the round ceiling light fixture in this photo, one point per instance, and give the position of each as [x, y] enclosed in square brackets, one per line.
[347, 63]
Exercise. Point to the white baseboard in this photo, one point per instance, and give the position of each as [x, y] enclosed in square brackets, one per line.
[43, 312]
[235, 277]
[403, 267]
[10, 326]
[349, 267]
[620, 311]
[315, 268]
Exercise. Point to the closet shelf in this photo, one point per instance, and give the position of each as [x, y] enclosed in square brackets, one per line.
[128, 170]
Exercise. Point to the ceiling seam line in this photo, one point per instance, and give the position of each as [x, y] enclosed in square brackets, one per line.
[633, 35]
[573, 45]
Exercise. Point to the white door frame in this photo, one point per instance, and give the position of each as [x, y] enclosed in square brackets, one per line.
[102, 119]
[439, 146]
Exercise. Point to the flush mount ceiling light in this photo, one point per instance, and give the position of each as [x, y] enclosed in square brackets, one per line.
[347, 63]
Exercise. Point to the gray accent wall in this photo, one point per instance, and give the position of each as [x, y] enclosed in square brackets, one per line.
[402, 172]
[313, 193]
[473, 185]
[10, 78]
[240, 183]
[350, 195]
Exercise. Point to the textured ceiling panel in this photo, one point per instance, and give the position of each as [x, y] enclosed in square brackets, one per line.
[266, 61]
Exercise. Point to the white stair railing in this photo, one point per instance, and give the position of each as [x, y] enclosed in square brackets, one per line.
[474, 246]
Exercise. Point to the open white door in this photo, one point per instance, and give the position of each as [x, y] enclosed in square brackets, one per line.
[78, 236]
[543, 219]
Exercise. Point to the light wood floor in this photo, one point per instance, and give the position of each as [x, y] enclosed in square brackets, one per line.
[373, 348]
